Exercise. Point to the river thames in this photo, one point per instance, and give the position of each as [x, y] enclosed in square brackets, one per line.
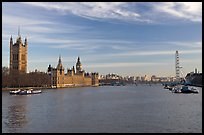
[104, 109]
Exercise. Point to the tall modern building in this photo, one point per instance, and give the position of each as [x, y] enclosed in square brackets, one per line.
[18, 54]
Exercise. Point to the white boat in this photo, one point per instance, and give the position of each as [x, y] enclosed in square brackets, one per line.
[29, 91]
[184, 89]
[176, 89]
[15, 91]
[36, 91]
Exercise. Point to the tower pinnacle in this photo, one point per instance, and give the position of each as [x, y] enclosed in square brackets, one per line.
[19, 31]
[60, 59]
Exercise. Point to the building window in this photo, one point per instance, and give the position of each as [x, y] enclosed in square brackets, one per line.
[14, 57]
[23, 56]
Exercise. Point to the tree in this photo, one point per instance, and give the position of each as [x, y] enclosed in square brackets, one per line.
[5, 77]
[13, 78]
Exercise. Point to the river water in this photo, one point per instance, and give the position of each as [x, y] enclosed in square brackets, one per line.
[104, 109]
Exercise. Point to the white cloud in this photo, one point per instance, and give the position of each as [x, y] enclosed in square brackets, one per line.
[186, 44]
[127, 11]
[190, 51]
[139, 64]
[93, 10]
[30, 25]
[124, 64]
[140, 54]
[151, 53]
[36, 30]
[18, 21]
[187, 10]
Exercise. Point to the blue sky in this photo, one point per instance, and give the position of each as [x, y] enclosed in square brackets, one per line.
[130, 39]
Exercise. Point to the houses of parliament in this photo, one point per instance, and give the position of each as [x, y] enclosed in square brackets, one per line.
[18, 54]
[58, 77]
[72, 77]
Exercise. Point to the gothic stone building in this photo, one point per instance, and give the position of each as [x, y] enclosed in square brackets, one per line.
[72, 77]
[18, 54]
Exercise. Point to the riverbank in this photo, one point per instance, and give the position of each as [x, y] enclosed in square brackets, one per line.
[35, 88]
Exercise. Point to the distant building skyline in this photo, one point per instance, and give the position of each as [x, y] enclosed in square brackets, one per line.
[129, 39]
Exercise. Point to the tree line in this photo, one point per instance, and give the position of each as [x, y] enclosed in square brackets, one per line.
[32, 79]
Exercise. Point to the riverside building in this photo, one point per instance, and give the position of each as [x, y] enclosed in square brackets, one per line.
[18, 54]
[72, 78]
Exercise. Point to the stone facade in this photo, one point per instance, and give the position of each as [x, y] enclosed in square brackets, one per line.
[72, 77]
[18, 54]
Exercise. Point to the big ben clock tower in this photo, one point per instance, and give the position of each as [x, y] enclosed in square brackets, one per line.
[78, 66]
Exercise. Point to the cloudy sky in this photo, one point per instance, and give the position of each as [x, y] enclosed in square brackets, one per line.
[132, 38]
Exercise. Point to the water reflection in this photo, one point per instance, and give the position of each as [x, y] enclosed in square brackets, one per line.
[16, 117]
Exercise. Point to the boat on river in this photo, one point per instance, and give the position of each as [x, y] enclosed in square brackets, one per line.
[25, 92]
[36, 91]
[14, 91]
[184, 89]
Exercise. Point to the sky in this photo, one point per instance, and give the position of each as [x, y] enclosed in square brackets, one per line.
[125, 38]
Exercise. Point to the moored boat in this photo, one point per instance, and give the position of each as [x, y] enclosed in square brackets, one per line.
[186, 89]
[25, 92]
[36, 91]
[15, 91]
[176, 89]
